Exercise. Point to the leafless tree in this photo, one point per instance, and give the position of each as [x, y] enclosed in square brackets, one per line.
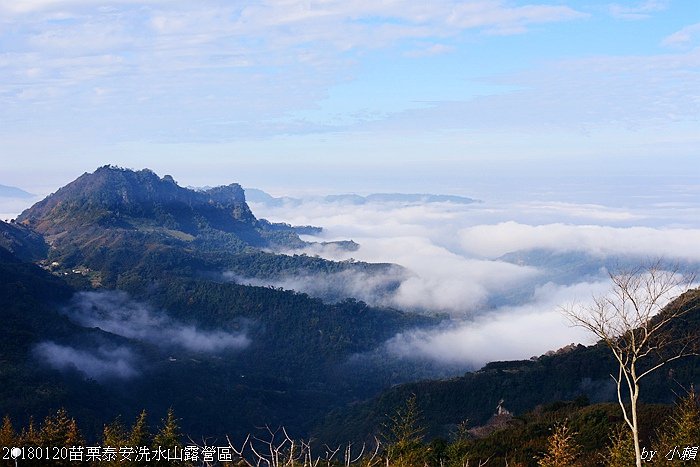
[275, 448]
[636, 321]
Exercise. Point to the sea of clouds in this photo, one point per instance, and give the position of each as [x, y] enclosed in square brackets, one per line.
[501, 271]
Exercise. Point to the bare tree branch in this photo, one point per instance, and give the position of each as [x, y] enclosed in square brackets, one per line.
[635, 320]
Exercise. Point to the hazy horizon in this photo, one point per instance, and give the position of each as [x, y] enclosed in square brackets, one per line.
[672, 194]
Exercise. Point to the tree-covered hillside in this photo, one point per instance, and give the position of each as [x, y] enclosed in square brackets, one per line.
[572, 372]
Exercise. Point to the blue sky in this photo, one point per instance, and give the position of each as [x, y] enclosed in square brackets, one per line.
[349, 95]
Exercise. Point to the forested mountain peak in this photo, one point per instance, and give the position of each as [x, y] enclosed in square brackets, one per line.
[111, 196]
[114, 218]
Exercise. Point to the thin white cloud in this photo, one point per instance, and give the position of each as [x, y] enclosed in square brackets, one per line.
[116, 313]
[491, 14]
[34, 6]
[375, 289]
[100, 364]
[497, 239]
[498, 18]
[583, 95]
[596, 212]
[263, 29]
[685, 37]
[430, 50]
[139, 55]
[640, 10]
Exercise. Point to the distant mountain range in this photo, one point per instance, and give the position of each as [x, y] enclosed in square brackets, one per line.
[13, 192]
[259, 196]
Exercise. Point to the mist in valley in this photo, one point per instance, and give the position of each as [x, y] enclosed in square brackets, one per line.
[128, 327]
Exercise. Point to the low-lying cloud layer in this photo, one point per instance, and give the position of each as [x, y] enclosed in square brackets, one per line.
[497, 239]
[501, 307]
[116, 313]
[508, 333]
[332, 287]
[99, 364]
